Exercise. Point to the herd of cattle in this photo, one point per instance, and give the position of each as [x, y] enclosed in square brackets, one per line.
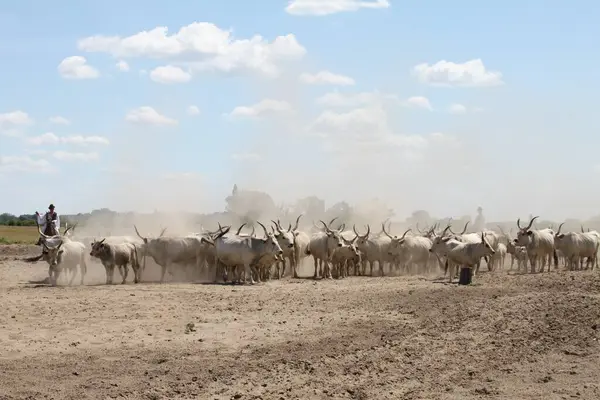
[241, 257]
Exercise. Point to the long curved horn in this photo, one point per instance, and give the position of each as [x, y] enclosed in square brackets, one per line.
[465, 228]
[355, 232]
[384, 231]
[140, 236]
[253, 231]
[162, 232]
[325, 225]
[403, 235]
[502, 230]
[368, 231]
[290, 227]
[341, 227]
[446, 229]
[419, 229]
[264, 229]
[582, 231]
[560, 226]
[277, 225]
[531, 222]
[102, 241]
[240, 228]
[331, 222]
[297, 221]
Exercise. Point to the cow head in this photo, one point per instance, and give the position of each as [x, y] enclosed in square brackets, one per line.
[351, 249]
[439, 243]
[99, 248]
[285, 238]
[334, 239]
[270, 243]
[362, 241]
[484, 248]
[53, 254]
[524, 234]
[396, 243]
[146, 239]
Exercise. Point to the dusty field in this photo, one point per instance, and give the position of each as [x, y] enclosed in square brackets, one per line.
[506, 337]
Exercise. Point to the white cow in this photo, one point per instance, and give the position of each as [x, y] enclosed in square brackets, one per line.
[413, 249]
[491, 237]
[119, 255]
[170, 250]
[238, 251]
[66, 255]
[374, 249]
[577, 246]
[321, 246]
[539, 244]
[462, 253]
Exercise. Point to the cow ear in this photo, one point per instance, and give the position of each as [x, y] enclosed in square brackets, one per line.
[529, 233]
[61, 251]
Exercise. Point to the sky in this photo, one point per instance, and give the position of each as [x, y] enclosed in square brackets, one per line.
[435, 105]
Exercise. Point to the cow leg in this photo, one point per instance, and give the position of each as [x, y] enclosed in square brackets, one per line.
[163, 270]
[125, 273]
[72, 273]
[316, 267]
[248, 271]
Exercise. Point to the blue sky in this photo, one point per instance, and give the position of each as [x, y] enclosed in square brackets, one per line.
[430, 105]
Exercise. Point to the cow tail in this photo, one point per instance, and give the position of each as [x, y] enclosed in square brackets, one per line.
[555, 255]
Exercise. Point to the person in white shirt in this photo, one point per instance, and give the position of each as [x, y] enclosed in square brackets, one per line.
[479, 224]
[49, 222]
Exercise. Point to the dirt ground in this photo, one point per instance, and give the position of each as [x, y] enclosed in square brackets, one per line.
[505, 337]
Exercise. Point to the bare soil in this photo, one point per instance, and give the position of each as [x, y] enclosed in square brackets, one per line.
[505, 337]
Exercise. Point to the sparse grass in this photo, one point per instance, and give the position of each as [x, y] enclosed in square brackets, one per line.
[18, 234]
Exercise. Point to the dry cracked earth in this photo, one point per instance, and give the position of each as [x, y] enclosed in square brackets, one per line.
[505, 337]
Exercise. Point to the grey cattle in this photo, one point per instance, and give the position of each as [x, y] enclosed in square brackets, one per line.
[413, 249]
[238, 251]
[119, 255]
[576, 246]
[174, 250]
[461, 253]
[66, 255]
[321, 247]
[539, 244]
[374, 249]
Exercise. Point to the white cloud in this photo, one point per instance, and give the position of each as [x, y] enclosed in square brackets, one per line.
[457, 109]
[193, 110]
[51, 138]
[148, 115]
[327, 7]
[245, 157]
[122, 66]
[83, 157]
[419, 101]
[327, 78]
[170, 74]
[266, 106]
[203, 45]
[12, 122]
[12, 164]
[76, 67]
[446, 73]
[58, 120]
[337, 99]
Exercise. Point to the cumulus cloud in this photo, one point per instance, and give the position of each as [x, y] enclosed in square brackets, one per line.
[326, 78]
[13, 164]
[472, 73]
[457, 109]
[203, 46]
[266, 106]
[148, 115]
[170, 74]
[76, 67]
[419, 102]
[58, 120]
[193, 110]
[51, 138]
[327, 7]
[70, 156]
[122, 66]
[11, 123]
[245, 157]
[337, 99]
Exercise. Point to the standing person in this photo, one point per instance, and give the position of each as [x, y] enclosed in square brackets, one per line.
[49, 222]
[479, 224]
